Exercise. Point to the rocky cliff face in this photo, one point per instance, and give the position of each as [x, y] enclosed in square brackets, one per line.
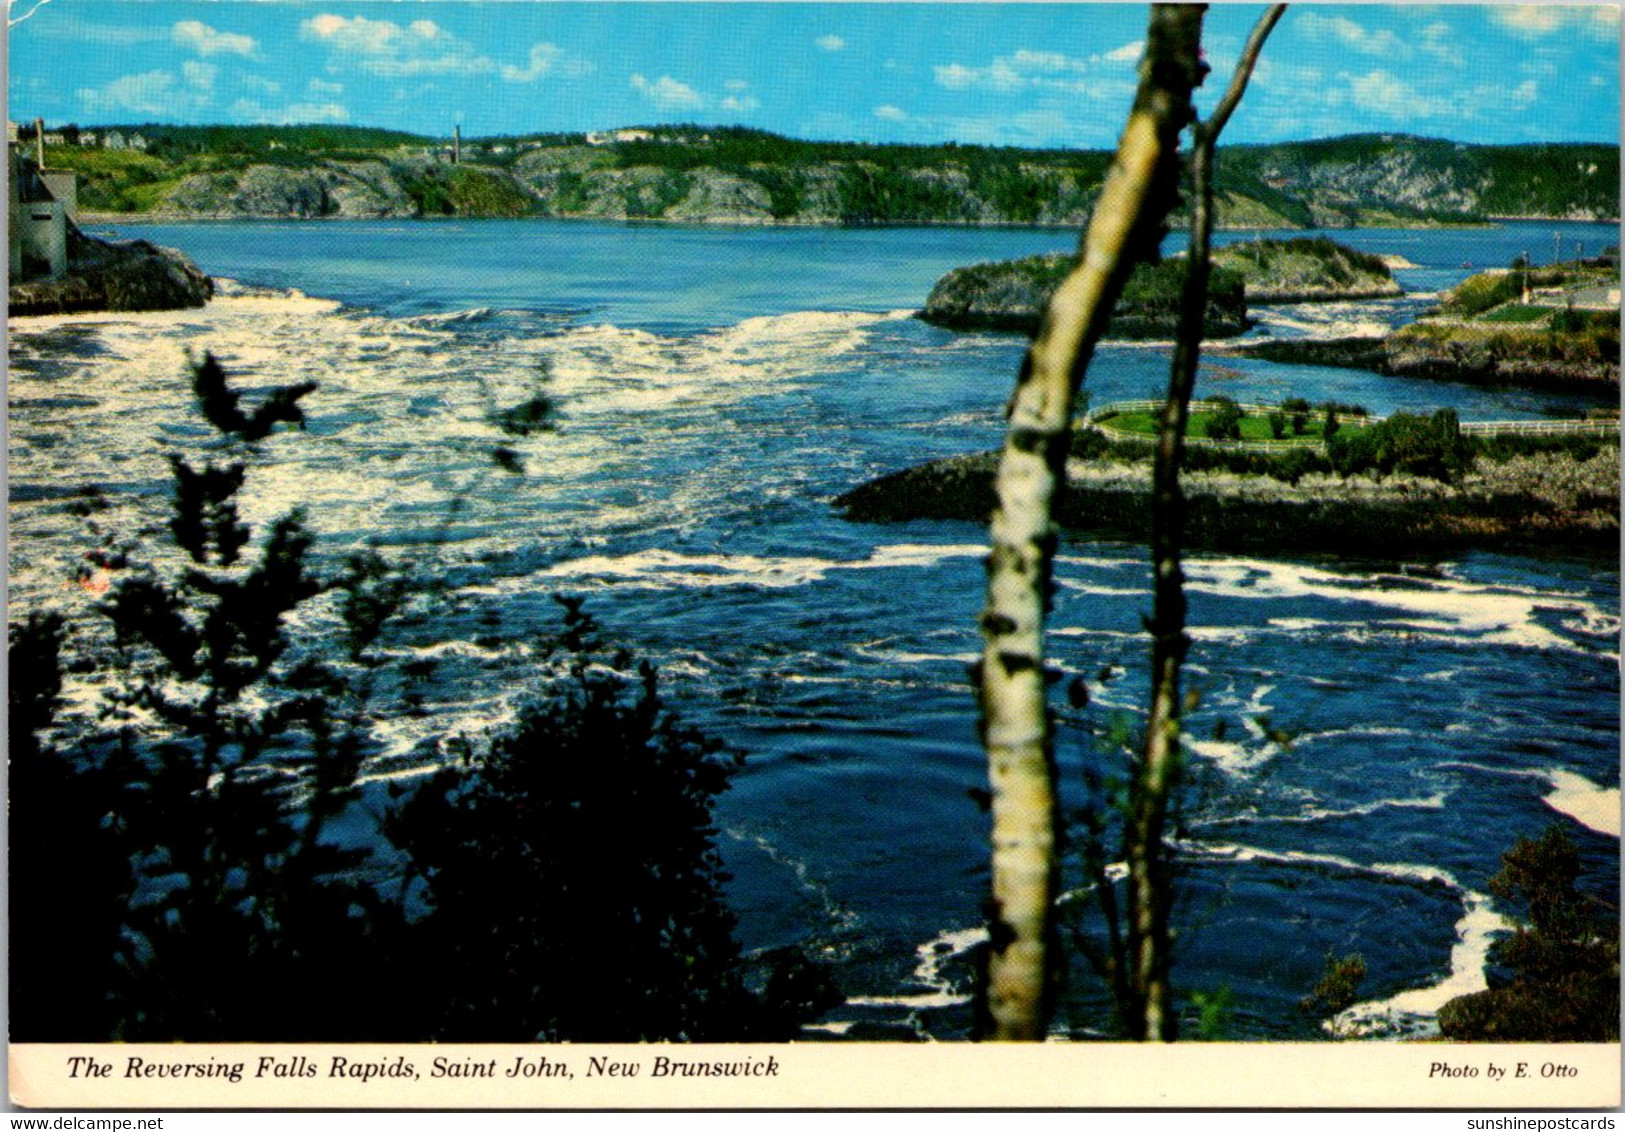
[364, 189]
[102, 276]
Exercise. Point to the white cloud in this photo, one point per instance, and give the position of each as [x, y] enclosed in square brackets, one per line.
[1271, 73]
[203, 39]
[1340, 29]
[69, 27]
[1391, 97]
[1382, 93]
[1536, 21]
[1043, 70]
[157, 93]
[249, 110]
[667, 93]
[318, 87]
[1438, 41]
[1128, 53]
[1001, 75]
[736, 84]
[424, 48]
[545, 59]
[891, 113]
[741, 104]
[1044, 61]
[831, 42]
[200, 75]
[1530, 20]
[267, 86]
[385, 48]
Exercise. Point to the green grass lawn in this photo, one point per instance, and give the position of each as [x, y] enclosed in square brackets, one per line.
[1253, 429]
[1515, 313]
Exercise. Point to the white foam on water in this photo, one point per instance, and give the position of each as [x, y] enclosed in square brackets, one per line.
[1411, 1013]
[933, 955]
[1312, 813]
[667, 569]
[1591, 804]
[1097, 590]
[1369, 318]
[1232, 757]
[1441, 608]
[840, 918]
[1375, 732]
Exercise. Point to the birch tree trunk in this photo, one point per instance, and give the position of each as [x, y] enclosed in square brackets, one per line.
[1128, 222]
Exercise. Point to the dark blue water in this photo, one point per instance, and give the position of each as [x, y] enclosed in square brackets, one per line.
[1369, 737]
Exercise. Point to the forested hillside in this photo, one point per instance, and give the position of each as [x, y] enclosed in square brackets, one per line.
[731, 175]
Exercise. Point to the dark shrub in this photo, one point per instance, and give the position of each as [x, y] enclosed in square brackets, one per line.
[1565, 957]
[1223, 419]
[1407, 443]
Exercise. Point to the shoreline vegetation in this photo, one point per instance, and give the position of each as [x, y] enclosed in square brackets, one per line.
[1540, 328]
[734, 176]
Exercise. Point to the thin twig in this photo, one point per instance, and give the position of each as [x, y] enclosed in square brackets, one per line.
[1128, 218]
[1150, 888]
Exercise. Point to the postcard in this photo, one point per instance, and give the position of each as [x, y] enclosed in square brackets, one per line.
[696, 555]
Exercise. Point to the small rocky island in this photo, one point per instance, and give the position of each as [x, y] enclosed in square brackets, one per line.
[1555, 495]
[107, 276]
[1012, 295]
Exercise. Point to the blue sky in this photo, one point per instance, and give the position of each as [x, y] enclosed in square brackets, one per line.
[1010, 74]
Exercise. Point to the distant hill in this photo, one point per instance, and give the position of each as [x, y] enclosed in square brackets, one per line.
[730, 175]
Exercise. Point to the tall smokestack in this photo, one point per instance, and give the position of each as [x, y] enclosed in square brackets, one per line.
[39, 140]
[456, 144]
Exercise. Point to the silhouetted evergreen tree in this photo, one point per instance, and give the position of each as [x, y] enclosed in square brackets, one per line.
[1564, 958]
[572, 879]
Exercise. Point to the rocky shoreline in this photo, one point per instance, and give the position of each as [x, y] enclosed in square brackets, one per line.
[106, 276]
[1542, 503]
[1472, 360]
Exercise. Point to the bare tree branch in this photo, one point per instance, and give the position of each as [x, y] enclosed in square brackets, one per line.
[10, 23]
[1150, 887]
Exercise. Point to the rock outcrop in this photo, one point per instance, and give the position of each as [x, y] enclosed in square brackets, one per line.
[1457, 353]
[363, 189]
[1306, 271]
[103, 276]
[1012, 296]
[1551, 501]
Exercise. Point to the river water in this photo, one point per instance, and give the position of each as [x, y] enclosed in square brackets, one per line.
[1371, 735]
